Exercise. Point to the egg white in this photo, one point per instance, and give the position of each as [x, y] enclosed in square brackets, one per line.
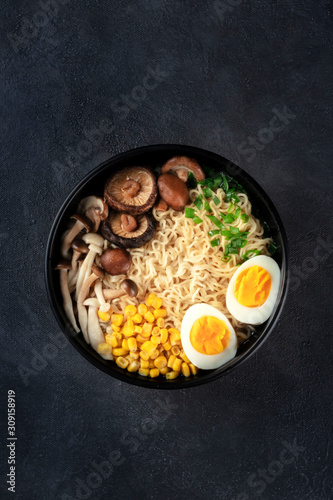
[255, 315]
[206, 361]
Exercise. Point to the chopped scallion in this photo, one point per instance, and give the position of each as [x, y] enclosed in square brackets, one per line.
[198, 202]
[216, 199]
[189, 212]
[197, 220]
[244, 217]
[215, 220]
[207, 206]
[250, 253]
[272, 248]
[213, 232]
[215, 243]
[207, 192]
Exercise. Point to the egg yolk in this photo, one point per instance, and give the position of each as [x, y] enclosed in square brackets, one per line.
[253, 286]
[209, 335]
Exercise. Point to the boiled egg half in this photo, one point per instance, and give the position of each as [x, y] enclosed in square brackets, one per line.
[253, 290]
[207, 336]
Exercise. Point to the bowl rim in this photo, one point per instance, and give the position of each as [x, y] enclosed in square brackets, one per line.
[146, 381]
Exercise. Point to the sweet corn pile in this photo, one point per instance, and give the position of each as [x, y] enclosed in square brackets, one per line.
[140, 343]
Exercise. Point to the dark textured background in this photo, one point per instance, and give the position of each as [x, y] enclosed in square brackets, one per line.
[224, 67]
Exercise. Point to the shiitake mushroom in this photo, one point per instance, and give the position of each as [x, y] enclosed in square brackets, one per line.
[113, 229]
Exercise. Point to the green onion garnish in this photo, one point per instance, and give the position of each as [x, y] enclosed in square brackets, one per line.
[213, 232]
[231, 208]
[197, 220]
[189, 212]
[226, 259]
[215, 220]
[272, 248]
[216, 199]
[217, 182]
[235, 198]
[237, 213]
[215, 243]
[245, 217]
[225, 183]
[234, 230]
[228, 219]
[207, 192]
[250, 253]
[198, 202]
[207, 206]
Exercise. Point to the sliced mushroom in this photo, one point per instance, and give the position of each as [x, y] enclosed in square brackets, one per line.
[81, 223]
[161, 206]
[64, 267]
[97, 273]
[182, 166]
[95, 209]
[95, 242]
[132, 190]
[112, 230]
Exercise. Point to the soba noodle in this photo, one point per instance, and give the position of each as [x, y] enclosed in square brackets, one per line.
[180, 266]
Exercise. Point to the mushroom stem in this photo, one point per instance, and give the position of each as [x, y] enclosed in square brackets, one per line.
[87, 264]
[91, 301]
[82, 311]
[113, 294]
[99, 292]
[67, 300]
[95, 332]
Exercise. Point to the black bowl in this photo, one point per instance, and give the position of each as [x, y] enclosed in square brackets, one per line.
[93, 183]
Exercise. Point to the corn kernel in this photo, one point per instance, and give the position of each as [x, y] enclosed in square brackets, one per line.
[146, 330]
[118, 351]
[185, 370]
[137, 318]
[155, 340]
[148, 347]
[149, 316]
[160, 362]
[177, 365]
[173, 340]
[164, 371]
[160, 322]
[104, 348]
[132, 344]
[184, 357]
[128, 357]
[175, 350]
[124, 345]
[157, 303]
[167, 354]
[122, 362]
[167, 346]
[142, 309]
[104, 316]
[128, 328]
[175, 332]
[144, 355]
[130, 310]
[193, 368]
[109, 329]
[115, 327]
[171, 375]
[144, 371]
[155, 354]
[118, 335]
[137, 329]
[160, 313]
[117, 319]
[164, 335]
[150, 299]
[141, 339]
[151, 364]
[134, 366]
[111, 339]
[155, 331]
[154, 372]
[134, 355]
[171, 360]
[144, 364]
